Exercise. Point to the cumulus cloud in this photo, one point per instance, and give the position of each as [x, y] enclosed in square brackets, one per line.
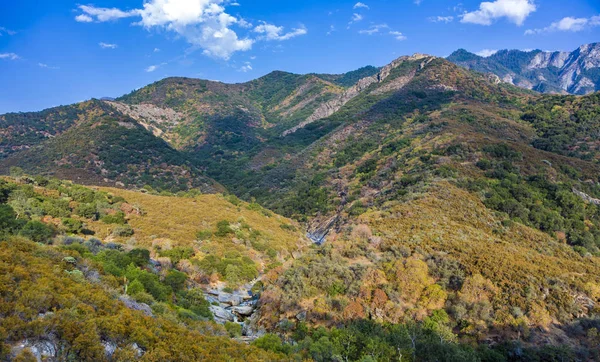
[9, 56]
[360, 5]
[441, 19]
[271, 32]
[568, 24]
[486, 52]
[151, 68]
[515, 11]
[203, 23]
[107, 45]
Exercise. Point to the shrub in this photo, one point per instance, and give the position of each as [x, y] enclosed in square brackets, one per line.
[89, 211]
[203, 235]
[234, 329]
[117, 218]
[38, 232]
[139, 257]
[135, 287]
[72, 226]
[123, 231]
[223, 228]
[175, 279]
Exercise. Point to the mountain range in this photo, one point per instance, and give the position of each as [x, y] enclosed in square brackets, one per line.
[422, 208]
[576, 72]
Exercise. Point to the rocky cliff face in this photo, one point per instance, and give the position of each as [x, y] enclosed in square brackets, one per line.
[576, 72]
[334, 105]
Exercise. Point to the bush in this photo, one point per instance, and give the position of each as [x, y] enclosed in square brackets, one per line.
[234, 329]
[89, 211]
[139, 257]
[223, 228]
[72, 226]
[123, 231]
[203, 235]
[175, 279]
[38, 232]
[135, 287]
[118, 218]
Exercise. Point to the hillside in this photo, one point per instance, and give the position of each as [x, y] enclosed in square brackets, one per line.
[87, 290]
[575, 72]
[452, 217]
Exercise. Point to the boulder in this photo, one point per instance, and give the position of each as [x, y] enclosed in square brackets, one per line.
[243, 310]
[221, 314]
[231, 299]
[132, 304]
[43, 349]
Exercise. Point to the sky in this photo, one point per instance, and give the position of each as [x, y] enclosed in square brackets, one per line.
[61, 52]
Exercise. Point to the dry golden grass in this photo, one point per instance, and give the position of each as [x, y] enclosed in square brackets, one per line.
[177, 220]
[453, 221]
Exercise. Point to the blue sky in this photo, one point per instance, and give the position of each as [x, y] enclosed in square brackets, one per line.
[62, 51]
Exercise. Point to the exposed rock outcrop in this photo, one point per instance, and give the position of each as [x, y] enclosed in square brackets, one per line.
[334, 105]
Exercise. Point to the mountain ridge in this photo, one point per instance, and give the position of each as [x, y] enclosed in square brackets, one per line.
[574, 72]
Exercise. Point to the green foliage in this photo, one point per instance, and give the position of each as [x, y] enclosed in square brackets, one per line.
[178, 253]
[223, 228]
[175, 279]
[72, 226]
[135, 287]
[234, 329]
[204, 235]
[116, 218]
[139, 257]
[38, 232]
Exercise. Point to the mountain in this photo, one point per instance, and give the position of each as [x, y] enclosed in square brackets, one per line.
[452, 217]
[577, 72]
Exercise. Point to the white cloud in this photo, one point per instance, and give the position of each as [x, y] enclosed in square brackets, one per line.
[374, 29]
[43, 65]
[203, 23]
[9, 56]
[92, 13]
[441, 19]
[398, 35]
[83, 18]
[568, 24]
[107, 45]
[331, 30]
[3, 30]
[486, 52]
[360, 5]
[154, 67]
[380, 28]
[355, 18]
[246, 67]
[515, 11]
[272, 32]
[156, 50]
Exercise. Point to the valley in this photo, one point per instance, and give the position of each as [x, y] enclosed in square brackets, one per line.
[421, 211]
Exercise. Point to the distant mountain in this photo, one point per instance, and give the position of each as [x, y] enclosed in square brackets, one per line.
[577, 72]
